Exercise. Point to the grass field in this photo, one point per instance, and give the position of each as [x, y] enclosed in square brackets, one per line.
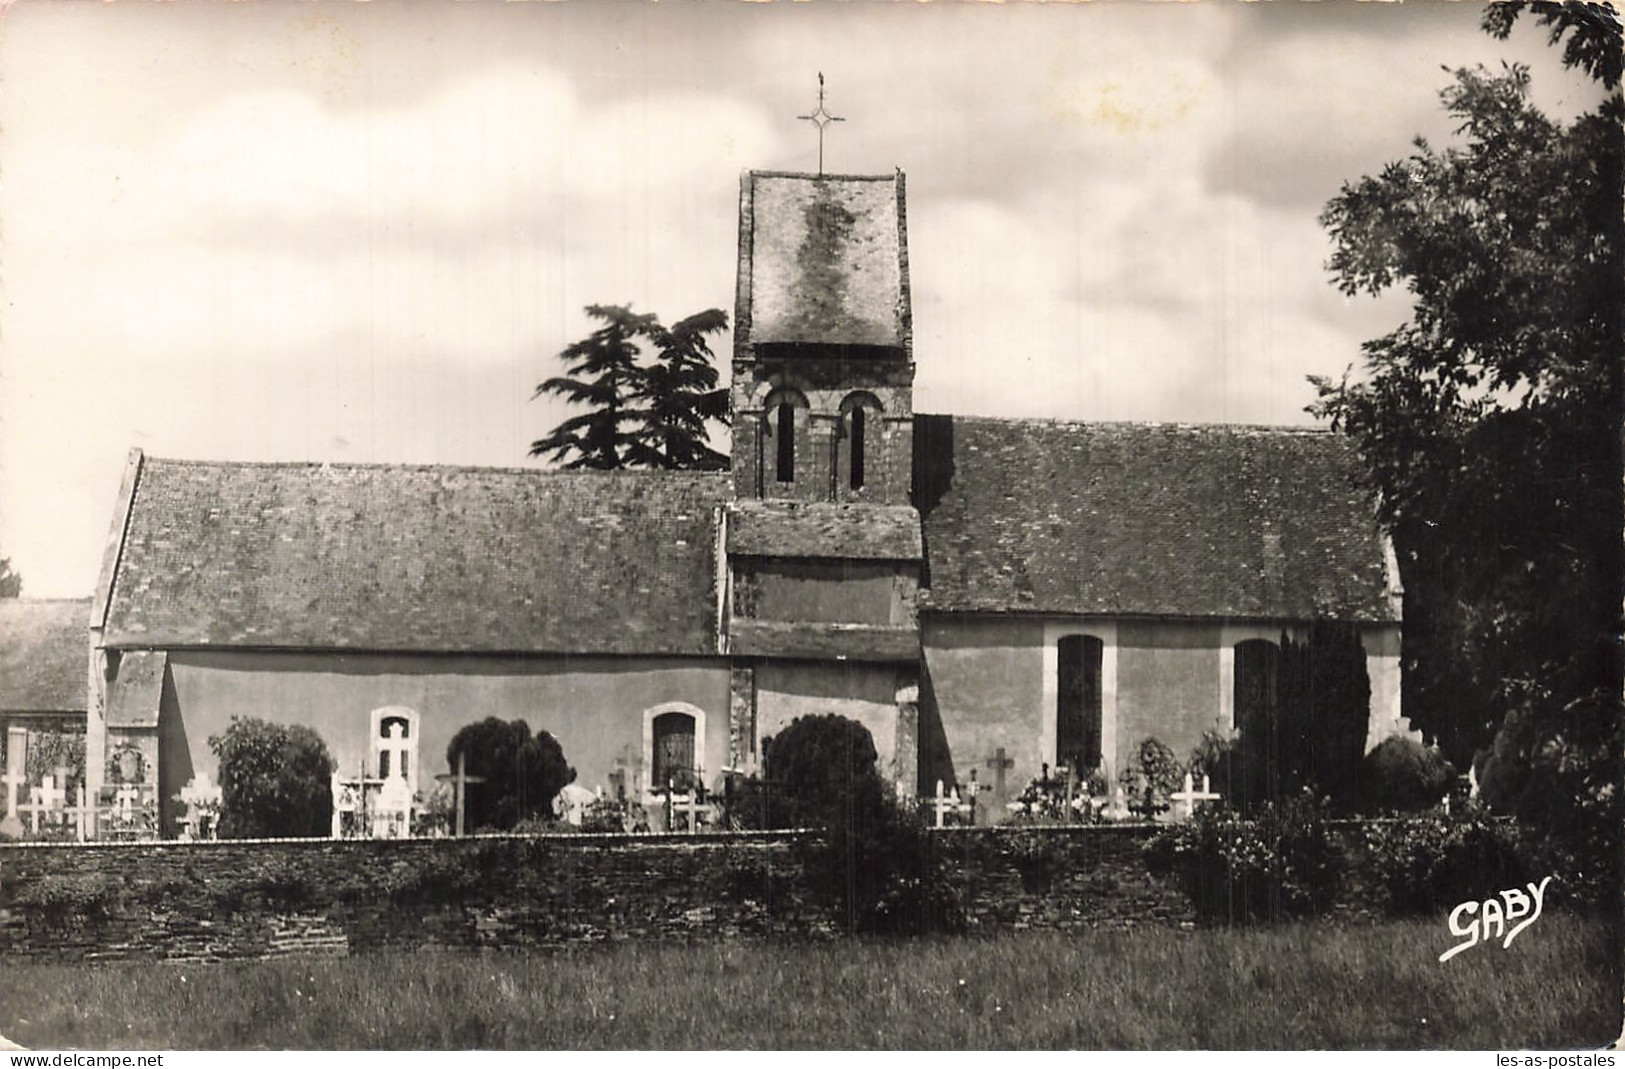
[1298, 987]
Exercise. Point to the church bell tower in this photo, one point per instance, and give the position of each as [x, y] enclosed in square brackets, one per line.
[822, 545]
[823, 362]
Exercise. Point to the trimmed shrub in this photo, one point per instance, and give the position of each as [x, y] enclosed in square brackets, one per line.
[1282, 864]
[1429, 864]
[275, 781]
[876, 863]
[1402, 776]
[522, 772]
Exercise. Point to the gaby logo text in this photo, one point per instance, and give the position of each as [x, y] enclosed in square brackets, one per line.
[1486, 920]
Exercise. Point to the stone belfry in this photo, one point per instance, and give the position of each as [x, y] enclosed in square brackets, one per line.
[823, 350]
[823, 547]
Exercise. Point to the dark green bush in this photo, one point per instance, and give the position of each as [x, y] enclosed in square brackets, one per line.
[876, 863]
[1281, 864]
[1428, 864]
[1402, 776]
[521, 773]
[275, 780]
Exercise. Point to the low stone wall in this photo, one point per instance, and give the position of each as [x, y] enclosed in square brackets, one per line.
[218, 900]
[260, 899]
[1063, 878]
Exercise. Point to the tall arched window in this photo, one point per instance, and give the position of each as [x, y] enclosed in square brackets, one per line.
[1078, 702]
[857, 448]
[858, 424]
[779, 422]
[1254, 693]
[785, 430]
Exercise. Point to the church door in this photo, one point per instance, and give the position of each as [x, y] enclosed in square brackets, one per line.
[1078, 707]
[673, 750]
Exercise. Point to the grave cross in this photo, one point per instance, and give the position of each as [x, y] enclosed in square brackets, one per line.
[942, 804]
[821, 118]
[16, 763]
[459, 781]
[998, 763]
[128, 796]
[81, 814]
[48, 798]
[1188, 797]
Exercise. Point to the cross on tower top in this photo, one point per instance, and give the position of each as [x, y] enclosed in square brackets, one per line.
[821, 118]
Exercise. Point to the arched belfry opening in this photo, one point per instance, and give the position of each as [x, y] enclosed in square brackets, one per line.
[858, 435]
[785, 428]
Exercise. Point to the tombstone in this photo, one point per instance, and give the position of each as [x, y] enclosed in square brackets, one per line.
[392, 812]
[11, 826]
[1117, 804]
[629, 771]
[202, 800]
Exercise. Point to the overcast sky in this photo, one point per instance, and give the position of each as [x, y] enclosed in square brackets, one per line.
[358, 232]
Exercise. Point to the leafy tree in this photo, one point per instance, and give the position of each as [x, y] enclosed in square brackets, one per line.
[678, 394]
[275, 781]
[11, 584]
[522, 772]
[642, 410]
[1490, 420]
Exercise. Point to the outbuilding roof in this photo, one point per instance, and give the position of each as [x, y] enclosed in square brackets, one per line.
[793, 529]
[433, 559]
[1147, 519]
[44, 654]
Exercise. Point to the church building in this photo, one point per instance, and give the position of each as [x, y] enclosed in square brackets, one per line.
[991, 595]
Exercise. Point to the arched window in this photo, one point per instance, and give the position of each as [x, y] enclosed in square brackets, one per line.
[1078, 702]
[858, 424]
[673, 750]
[857, 448]
[785, 429]
[779, 422]
[1254, 692]
[673, 746]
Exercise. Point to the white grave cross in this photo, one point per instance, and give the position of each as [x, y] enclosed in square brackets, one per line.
[128, 795]
[81, 814]
[947, 803]
[47, 798]
[1188, 797]
[16, 762]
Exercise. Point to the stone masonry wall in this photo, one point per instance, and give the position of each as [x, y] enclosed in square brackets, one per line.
[257, 899]
[260, 899]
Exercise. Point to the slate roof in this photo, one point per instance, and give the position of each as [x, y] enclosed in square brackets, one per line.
[822, 260]
[133, 697]
[1146, 519]
[435, 559]
[44, 654]
[812, 530]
